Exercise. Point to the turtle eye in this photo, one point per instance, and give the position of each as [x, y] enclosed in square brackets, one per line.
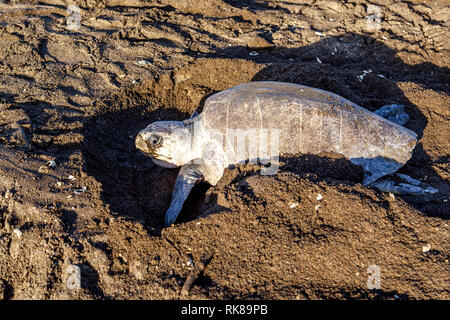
[155, 141]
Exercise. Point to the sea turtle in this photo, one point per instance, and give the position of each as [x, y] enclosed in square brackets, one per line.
[259, 120]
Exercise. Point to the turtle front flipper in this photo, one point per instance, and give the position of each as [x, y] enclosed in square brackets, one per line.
[189, 175]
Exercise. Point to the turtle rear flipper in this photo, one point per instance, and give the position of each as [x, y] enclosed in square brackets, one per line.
[394, 112]
[380, 173]
[399, 183]
[376, 168]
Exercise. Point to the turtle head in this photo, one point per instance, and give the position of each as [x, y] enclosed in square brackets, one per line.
[166, 142]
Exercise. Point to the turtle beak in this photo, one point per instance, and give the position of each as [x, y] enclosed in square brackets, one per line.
[140, 143]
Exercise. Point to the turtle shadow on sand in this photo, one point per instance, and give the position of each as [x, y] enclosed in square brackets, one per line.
[136, 188]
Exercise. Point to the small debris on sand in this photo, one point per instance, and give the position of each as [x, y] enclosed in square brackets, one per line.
[17, 233]
[80, 190]
[199, 267]
[293, 205]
